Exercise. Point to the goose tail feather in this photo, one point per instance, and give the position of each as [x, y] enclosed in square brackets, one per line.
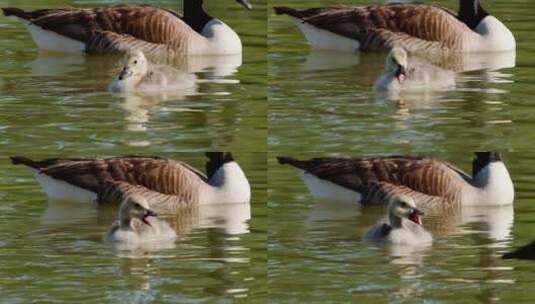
[17, 12]
[296, 13]
[283, 160]
[283, 10]
[21, 160]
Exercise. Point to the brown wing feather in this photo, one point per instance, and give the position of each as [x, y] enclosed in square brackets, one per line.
[303, 13]
[428, 176]
[115, 192]
[158, 174]
[373, 26]
[381, 192]
[106, 41]
[143, 22]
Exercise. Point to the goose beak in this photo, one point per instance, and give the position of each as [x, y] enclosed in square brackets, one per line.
[245, 3]
[125, 73]
[416, 216]
[147, 214]
[401, 73]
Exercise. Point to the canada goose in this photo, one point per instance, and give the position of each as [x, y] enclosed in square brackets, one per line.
[138, 75]
[128, 27]
[138, 223]
[404, 225]
[400, 74]
[166, 183]
[416, 27]
[432, 183]
[526, 252]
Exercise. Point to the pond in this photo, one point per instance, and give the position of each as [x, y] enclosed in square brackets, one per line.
[57, 105]
[322, 104]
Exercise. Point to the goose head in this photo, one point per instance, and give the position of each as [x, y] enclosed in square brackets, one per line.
[135, 69]
[403, 207]
[135, 207]
[396, 63]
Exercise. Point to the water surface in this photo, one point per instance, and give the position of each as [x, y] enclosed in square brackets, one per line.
[56, 105]
[322, 104]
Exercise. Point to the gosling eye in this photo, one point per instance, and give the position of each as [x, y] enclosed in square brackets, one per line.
[135, 61]
[138, 206]
[404, 205]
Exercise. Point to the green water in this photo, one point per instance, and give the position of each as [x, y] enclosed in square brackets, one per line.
[58, 105]
[284, 247]
[323, 102]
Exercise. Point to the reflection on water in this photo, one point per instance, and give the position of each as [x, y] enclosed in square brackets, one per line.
[231, 219]
[465, 62]
[214, 66]
[138, 106]
[53, 64]
[318, 60]
[495, 221]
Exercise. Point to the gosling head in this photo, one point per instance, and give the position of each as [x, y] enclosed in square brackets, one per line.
[402, 206]
[135, 68]
[396, 63]
[135, 207]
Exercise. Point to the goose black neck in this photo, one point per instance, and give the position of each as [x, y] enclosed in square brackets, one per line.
[482, 160]
[195, 15]
[471, 13]
[216, 161]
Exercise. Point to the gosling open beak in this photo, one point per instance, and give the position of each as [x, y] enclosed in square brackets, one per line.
[416, 216]
[125, 73]
[245, 3]
[401, 73]
[147, 214]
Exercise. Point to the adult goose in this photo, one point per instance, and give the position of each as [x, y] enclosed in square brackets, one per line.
[403, 226]
[128, 27]
[137, 223]
[430, 182]
[166, 183]
[416, 27]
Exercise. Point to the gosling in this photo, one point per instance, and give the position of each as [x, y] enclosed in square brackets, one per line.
[138, 224]
[417, 75]
[404, 226]
[138, 75]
